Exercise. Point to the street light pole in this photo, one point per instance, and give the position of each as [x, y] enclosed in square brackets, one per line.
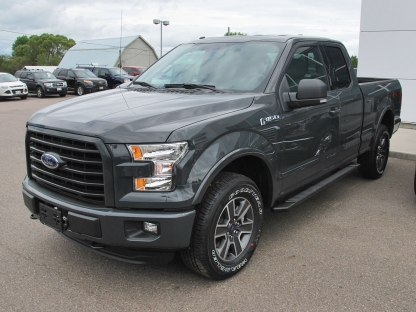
[157, 22]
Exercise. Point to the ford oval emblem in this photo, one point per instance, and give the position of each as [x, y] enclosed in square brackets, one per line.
[50, 161]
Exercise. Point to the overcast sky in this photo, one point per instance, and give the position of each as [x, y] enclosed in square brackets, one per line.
[189, 19]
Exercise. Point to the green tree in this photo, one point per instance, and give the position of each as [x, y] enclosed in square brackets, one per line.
[234, 33]
[46, 49]
[21, 40]
[354, 61]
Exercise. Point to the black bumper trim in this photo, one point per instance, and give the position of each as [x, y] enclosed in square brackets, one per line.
[175, 226]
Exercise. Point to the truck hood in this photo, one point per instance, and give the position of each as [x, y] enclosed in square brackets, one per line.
[129, 116]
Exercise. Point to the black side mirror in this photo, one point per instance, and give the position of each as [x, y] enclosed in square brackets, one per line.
[310, 92]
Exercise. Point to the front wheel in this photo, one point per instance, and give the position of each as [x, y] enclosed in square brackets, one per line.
[40, 93]
[62, 95]
[116, 85]
[227, 227]
[80, 90]
[24, 97]
[373, 163]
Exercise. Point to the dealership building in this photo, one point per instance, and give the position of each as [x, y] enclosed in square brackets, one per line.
[387, 41]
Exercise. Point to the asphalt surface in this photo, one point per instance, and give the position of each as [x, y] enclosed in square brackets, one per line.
[352, 247]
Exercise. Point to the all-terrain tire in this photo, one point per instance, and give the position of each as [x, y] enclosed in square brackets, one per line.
[374, 162]
[227, 227]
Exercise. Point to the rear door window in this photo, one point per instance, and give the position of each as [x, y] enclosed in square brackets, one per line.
[339, 68]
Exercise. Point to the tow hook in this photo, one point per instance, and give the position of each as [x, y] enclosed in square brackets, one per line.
[33, 217]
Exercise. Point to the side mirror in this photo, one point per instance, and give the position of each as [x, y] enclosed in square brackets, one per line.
[311, 92]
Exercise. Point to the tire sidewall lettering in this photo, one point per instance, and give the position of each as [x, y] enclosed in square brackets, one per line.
[251, 192]
[224, 268]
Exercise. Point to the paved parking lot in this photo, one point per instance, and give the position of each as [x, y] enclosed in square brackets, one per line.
[350, 248]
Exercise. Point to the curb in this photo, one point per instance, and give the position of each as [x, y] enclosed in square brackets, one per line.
[401, 155]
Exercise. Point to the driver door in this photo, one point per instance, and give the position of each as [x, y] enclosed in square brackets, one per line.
[309, 134]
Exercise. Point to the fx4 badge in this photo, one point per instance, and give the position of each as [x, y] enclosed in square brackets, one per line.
[269, 119]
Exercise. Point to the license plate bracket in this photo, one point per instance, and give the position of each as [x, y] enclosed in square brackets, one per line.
[50, 216]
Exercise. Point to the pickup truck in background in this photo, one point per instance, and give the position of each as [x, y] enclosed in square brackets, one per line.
[115, 76]
[188, 157]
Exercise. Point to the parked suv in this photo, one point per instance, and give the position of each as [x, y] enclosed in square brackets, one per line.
[115, 76]
[81, 80]
[42, 82]
[134, 70]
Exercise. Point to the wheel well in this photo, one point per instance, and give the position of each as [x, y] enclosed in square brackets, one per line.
[388, 121]
[255, 169]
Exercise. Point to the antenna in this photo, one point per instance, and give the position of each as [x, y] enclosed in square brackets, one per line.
[121, 35]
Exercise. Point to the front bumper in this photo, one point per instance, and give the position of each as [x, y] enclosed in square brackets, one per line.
[113, 232]
[95, 88]
[19, 92]
[56, 90]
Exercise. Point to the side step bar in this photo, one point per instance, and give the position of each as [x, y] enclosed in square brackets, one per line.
[300, 197]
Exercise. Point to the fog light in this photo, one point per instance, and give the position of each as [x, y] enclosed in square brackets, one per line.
[152, 228]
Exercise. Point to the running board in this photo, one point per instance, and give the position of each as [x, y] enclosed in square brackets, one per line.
[300, 197]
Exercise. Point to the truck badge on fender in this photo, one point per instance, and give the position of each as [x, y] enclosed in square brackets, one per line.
[269, 119]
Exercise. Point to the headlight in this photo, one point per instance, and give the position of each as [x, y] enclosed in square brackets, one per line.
[64, 84]
[126, 80]
[164, 157]
[48, 84]
[4, 87]
[88, 82]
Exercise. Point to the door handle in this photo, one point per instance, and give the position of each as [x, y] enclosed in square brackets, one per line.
[334, 111]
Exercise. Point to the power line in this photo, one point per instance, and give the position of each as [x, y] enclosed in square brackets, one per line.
[60, 12]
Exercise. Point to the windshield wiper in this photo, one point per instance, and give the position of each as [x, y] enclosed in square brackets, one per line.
[145, 84]
[190, 86]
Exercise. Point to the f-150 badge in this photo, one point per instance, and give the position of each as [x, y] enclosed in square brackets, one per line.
[269, 119]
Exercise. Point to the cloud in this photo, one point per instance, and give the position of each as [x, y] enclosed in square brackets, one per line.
[189, 20]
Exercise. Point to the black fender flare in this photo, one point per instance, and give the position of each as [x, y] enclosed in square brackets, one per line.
[230, 154]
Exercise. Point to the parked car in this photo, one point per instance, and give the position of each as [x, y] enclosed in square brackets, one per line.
[11, 87]
[42, 82]
[134, 70]
[240, 124]
[414, 185]
[81, 80]
[115, 76]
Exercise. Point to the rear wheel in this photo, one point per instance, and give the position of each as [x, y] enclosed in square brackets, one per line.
[373, 163]
[40, 93]
[80, 90]
[227, 227]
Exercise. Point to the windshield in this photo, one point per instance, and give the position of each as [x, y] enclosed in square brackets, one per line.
[44, 75]
[243, 66]
[7, 78]
[118, 71]
[84, 74]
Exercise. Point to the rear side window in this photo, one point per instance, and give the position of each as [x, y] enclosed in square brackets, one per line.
[63, 73]
[23, 75]
[339, 68]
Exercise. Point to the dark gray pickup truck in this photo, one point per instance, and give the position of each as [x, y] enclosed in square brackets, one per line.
[187, 157]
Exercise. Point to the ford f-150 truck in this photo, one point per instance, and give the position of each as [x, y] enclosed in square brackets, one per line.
[188, 157]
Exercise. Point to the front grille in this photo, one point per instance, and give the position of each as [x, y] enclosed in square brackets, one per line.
[18, 86]
[58, 84]
[81, 176]
[18, 91]
[99, 83]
